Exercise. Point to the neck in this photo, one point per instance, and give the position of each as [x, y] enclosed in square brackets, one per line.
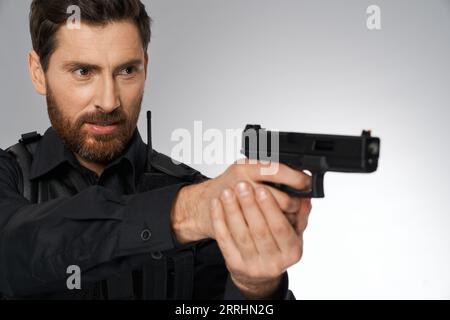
[93, 166]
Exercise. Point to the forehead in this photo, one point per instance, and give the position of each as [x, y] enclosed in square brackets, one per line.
[112, 42]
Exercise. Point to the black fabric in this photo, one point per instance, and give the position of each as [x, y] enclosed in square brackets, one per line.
[155, 278]
[116, 227]
[23, 156]
[120, 287]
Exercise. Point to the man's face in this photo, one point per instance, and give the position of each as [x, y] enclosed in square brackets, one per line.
[94, 88]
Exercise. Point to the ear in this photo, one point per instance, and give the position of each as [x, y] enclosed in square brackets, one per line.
[37, 74]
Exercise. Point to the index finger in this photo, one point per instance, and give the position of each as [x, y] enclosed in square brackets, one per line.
[282, 174]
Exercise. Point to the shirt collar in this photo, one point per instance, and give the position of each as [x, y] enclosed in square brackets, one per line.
[51, 152]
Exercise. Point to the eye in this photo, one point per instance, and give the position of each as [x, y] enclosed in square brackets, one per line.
[127, 71]
[82, 72]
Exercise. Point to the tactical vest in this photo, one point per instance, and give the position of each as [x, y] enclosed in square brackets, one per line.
[165, 276]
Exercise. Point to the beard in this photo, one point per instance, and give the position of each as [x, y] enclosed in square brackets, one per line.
[98, 148]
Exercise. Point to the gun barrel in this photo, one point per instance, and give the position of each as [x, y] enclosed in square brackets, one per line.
[318, 152]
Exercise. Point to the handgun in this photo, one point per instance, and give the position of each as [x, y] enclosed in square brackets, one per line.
[316, 153]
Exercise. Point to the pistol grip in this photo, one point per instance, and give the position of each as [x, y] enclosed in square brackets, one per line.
[315, 192]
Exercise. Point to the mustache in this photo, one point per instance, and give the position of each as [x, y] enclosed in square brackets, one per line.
[117, 116]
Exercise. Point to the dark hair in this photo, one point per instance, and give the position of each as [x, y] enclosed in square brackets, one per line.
[47, 16]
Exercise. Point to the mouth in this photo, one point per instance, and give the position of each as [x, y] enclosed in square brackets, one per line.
[97, 128]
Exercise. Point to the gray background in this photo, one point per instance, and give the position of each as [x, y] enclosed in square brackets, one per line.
[309, 66]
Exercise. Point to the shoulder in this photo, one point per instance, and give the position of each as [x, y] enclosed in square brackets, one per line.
[7, 159]
[18, 157]
[10, 173]
[167, 165]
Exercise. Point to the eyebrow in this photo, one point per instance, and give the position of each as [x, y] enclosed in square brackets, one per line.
[69, 65]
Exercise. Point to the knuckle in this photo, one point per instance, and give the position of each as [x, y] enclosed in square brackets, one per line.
[295, 255]
[304, 225]
[283, 201]
[245, 192]
[261, 232]
[292, 258]
[309, 205]
[235, 168]
[262, 193]
[307, 179]
[294, 204]
[280, 228]
[303, 181]
[241, 168]
[299, 181]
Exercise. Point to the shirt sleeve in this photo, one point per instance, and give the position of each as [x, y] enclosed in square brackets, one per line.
[96, 230]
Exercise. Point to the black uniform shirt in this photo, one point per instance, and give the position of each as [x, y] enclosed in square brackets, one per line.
[107, 225]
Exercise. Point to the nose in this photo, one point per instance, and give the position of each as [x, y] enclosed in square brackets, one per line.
[107, 95]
